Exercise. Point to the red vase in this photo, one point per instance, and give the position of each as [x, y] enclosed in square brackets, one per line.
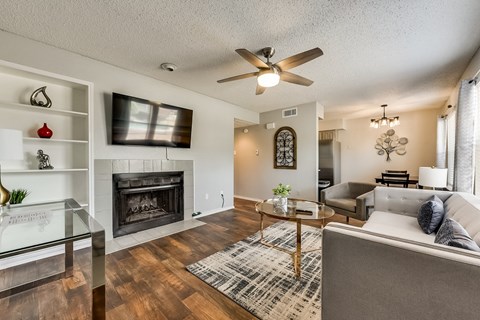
[45, 132]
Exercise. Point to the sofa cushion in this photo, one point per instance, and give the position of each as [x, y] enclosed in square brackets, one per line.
[397, 225]
[430, 215]
[343, 203]
[451, 233]
[465, 209]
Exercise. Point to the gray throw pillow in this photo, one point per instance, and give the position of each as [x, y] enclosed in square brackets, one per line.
[451, 233]
[430, 215]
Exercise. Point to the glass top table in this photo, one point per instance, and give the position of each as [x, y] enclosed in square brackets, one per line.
[294, 210]
[31, 227]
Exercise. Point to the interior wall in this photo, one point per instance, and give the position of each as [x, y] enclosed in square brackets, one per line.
[255, 176]
[472, 70]
[359, 158]
[212, 136]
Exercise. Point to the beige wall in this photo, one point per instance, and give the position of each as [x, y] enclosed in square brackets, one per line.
[254, 174]
[360, 161]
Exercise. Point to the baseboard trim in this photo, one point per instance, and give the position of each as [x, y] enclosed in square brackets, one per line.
[41, 254]
[248, 198]
[210, 212]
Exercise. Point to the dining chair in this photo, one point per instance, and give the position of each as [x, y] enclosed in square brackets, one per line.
[396, 171]
[395, 179]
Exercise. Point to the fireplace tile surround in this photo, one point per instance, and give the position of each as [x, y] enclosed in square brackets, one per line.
[103, 173]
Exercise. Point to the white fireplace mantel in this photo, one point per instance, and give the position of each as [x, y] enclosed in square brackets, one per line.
[105, 168]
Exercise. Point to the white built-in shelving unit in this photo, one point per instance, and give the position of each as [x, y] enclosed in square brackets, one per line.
[70, 148]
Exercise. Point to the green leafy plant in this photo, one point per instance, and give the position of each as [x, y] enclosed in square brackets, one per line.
[18, 195]
[282, 190]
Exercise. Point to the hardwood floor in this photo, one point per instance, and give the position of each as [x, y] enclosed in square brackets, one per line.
[148, 281]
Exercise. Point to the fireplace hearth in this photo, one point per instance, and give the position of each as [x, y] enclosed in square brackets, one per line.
[146, 200]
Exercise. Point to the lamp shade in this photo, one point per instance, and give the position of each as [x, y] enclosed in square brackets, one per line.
[11, 144]
[432, 177]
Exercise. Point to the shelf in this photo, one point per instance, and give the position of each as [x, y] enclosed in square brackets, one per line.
[42, 171]
[27, 107]
[71, 146]
[40, 75]
[54, 140]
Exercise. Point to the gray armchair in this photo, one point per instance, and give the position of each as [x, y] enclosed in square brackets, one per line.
[351, 199]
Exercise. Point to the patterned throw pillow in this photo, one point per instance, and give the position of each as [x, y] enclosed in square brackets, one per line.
[451, 233]
[430, 215]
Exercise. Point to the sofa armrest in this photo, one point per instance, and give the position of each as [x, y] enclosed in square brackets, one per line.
[364, 202]
[336, 191]
[366, 275]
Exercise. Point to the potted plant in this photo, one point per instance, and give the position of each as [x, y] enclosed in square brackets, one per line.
[281, 192]
[18, 195]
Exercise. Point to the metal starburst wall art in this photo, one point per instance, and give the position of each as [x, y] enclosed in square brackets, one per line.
[389, 142]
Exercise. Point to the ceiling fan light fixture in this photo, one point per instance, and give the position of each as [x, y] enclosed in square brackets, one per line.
[269, 74]
[269, 78]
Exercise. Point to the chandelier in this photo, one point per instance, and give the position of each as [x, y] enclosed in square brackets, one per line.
[384, 120]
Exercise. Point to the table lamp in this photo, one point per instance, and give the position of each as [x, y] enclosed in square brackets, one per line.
[11, 148]
[432, 177]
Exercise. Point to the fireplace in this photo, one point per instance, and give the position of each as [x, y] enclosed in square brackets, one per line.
[146, 200]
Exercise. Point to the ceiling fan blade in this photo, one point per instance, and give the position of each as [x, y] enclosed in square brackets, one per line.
[298, 59]
[296, 79]
[260, 89]
[241, 76]
[253, 59]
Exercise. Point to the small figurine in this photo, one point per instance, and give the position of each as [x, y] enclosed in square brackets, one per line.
[44, 160]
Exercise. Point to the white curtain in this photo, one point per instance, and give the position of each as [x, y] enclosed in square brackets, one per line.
[451, 122]
[477, 150]
[467, 109]
[441, 142]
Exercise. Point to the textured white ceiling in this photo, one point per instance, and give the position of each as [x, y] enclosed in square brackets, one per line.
[408, 54]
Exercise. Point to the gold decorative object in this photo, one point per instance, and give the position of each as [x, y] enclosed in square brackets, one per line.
[11, 148]
[4, 195]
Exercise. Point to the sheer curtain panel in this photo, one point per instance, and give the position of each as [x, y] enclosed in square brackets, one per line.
[464, 168]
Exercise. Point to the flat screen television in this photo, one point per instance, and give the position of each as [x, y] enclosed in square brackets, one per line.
[138, 121]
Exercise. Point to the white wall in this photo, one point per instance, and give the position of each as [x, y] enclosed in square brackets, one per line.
[212, 138]
[359, 159]
[255, 176]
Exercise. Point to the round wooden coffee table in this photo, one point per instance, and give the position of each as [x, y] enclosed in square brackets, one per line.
[295, 210]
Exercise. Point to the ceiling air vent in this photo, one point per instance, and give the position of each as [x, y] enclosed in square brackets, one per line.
[287, 113]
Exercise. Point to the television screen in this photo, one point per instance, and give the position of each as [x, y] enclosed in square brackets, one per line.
[138, 121]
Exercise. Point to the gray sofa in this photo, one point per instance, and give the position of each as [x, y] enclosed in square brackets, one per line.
[390, 269]
[351, 199]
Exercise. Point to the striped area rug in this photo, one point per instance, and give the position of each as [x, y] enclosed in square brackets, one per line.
[262, 279]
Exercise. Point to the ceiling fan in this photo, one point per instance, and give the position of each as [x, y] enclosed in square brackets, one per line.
[270, 74]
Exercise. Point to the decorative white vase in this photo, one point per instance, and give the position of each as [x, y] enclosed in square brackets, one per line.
[280, 202]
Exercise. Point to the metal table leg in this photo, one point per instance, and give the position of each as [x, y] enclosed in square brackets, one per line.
[98, 274]
[298, 253]
[98, 265]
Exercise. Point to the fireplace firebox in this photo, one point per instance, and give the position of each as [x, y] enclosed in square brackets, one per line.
[146, 200]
